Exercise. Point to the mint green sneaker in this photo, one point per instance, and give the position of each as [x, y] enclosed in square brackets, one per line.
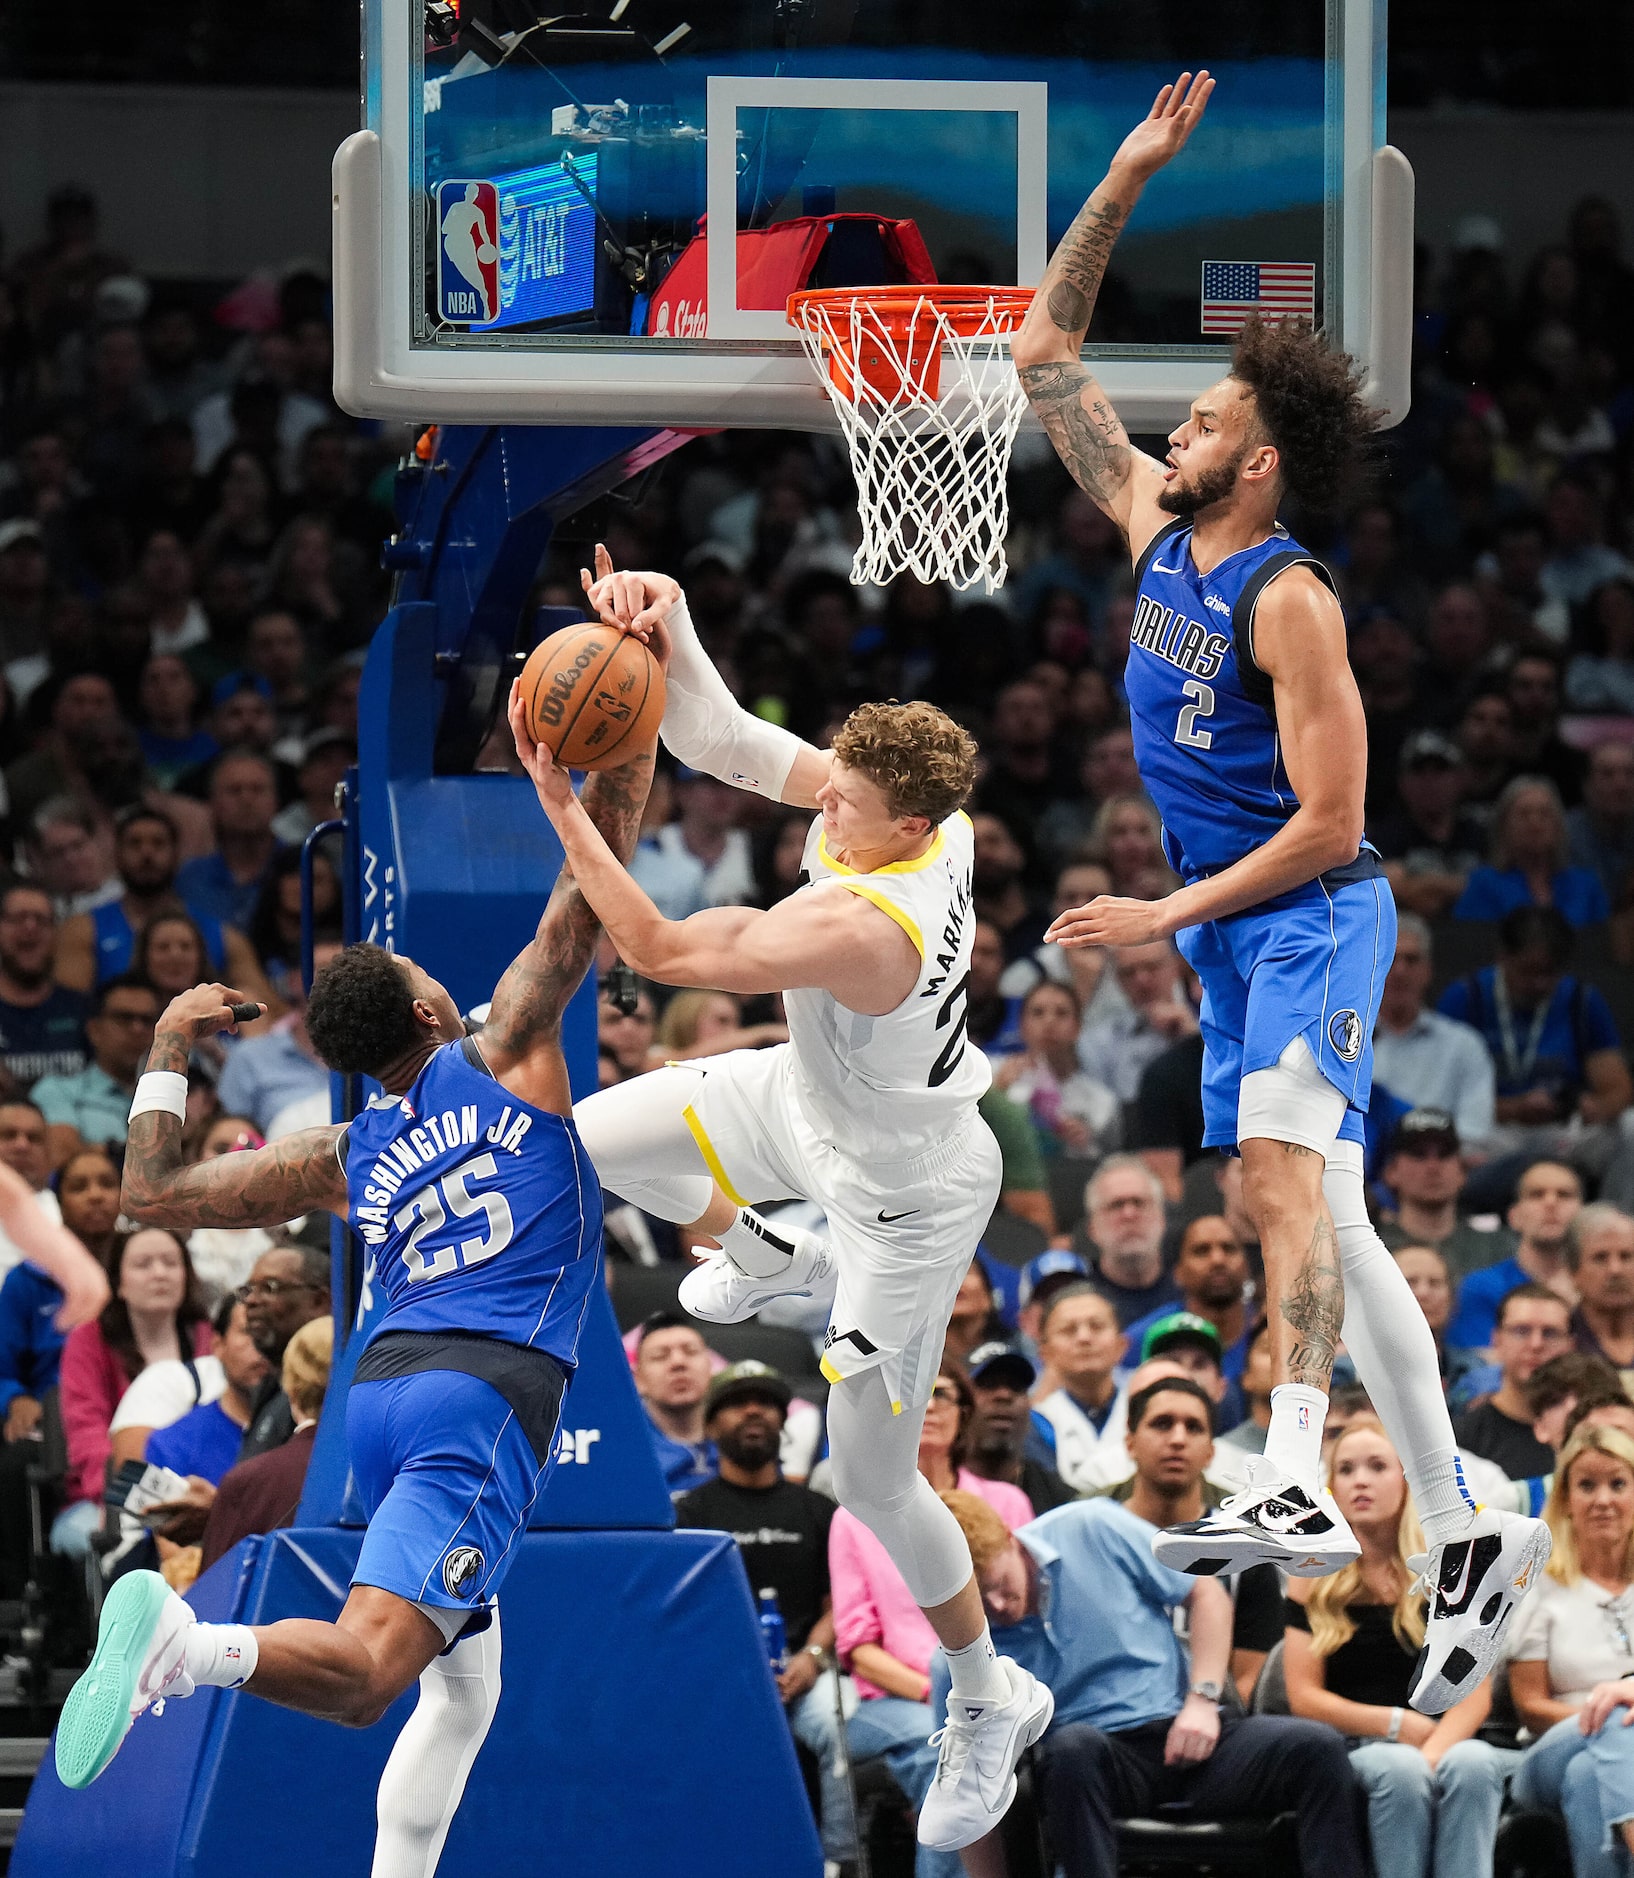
[138, 1663]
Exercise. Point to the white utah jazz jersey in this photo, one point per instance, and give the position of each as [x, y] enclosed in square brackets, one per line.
[889, 1088]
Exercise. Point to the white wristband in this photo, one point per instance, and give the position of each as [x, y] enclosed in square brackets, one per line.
[1393, 1732]
[160, 1091]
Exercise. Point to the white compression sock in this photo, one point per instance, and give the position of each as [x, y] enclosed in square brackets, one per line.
[223, 1656]
[424, 1778]
[1294, 1440]
[756, 1249]
[1394, 1352]
[977, 1674]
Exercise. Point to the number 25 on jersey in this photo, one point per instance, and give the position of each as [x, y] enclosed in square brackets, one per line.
[451, 1197]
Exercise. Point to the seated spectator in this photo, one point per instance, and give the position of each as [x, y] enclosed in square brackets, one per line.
[1052, 1271]
[1571, 1661]
[1003, 1443]
[1072, 1112]
[325, 755]
[1553, 1039]
[1430, 1061]
[994, 1016]
[1170, 1444]
[168, 700]
[263, 1493]
[1076, 1598]
[243, 800]
[707, 1023]
[1532, 684]
[1082, 1347]
[1547, 1198]
[1530, 864]
[702, 858]
[275, 932]
[1118, 1051]
[782, 1534]
[975, 1318]
[92, 1108]
[206, 1439]
[1600, 676]
[42, 1024]
[998, 878]
[1352, 1646]
[1424, 1170]
[1425, 1270]
[1430, 843]
[882, 1636]
[1211, 1275]
[1192, 1345]
[23, 1150]
[1165, 1123]
[1533, 1325]
[154, 1315]
[672, 1371]
[1566, 1384]
[275, 652]
[1127, 840]
[66, 856]
[1124, 1220]
[265, 1075]
[1256, 1381]
[223, 1256]
[1601, 828]
[172, 956]
[1600, 1258]
[1022, 1177]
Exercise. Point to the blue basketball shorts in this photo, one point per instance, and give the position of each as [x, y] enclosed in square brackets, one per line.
[1310, 964]
[448, 1478]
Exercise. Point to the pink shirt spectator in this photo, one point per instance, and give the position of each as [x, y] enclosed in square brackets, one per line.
[873, 1605]
[90, 1383]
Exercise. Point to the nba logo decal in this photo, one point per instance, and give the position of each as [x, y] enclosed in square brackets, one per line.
[1345, 1034]
[467, 252]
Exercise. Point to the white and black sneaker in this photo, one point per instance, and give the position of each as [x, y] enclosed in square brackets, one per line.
[1273, 1521]
[1475, 1583]
[720, 1292]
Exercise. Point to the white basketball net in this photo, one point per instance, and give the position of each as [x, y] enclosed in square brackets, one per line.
[931, 471]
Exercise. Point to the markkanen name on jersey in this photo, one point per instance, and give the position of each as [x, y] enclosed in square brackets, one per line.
[1180, 641]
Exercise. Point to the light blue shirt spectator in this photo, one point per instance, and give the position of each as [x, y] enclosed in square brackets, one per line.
[1103, 1640]
[91, 1103]
[1439, 1063]
[266, 1074]
[1492, 892]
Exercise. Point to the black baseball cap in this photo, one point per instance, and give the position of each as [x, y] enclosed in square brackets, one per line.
[1425, 747]
[999, 1365]
[748, 1381]
[1425, 1127]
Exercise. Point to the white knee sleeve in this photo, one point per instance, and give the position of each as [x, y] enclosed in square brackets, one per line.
[425, 1776]
[875, 1460]
[1291, 1101]
[640, 1146]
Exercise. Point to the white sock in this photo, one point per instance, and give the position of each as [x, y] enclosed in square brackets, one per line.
[1393, 1349]
[222, 1656]
[756, 1249]
[424, 1778]
[1294, 1440]
[978, 1675]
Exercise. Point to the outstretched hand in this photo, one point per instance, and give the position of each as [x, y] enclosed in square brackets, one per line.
[1161, 135]
[1107, 921]
[635, 603]
[554, 784]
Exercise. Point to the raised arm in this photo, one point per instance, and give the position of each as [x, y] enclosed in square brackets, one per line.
[54, 1249]
[261, 1187]
[521, 1040]
[704, 725]
[1087, 433]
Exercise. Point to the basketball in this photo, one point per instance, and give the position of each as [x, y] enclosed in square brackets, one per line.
[594, 696]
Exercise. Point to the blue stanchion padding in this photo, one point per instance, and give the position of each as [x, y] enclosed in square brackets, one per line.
[639, 1735]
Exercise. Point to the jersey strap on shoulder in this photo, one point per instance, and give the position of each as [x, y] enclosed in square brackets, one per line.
[1256, 683]
[1148, 554]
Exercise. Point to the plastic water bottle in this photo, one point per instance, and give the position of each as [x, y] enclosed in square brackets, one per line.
[772, 1633]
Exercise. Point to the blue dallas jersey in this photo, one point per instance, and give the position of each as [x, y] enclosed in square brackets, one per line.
[481, 1213]
[1201, 711]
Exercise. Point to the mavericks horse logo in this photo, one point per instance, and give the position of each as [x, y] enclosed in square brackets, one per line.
[461, 1570]
[1345, 1034]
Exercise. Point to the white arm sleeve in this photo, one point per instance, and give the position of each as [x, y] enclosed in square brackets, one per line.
[706, 727]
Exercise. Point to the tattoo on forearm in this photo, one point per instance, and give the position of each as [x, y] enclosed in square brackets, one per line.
[1073, 278]
[534, 992]
[1315, 1308]
[1089, 438]
[298, 1174]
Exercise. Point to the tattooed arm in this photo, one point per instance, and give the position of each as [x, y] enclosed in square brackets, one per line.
[522, 1039]
[1073, 408]
[299, 1174]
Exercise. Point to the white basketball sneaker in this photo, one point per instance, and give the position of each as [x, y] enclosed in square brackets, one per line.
[139, 1663]
[720, 1292]
[1474, 1583]
[1273, 1521]
[975, 1778]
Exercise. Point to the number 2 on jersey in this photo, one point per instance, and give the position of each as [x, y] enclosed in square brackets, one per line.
[429, 1211]
[1202, 705]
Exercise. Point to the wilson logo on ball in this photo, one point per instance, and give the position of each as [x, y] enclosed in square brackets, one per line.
[554, 702]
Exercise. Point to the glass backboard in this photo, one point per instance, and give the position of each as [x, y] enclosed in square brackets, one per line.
[524, 226]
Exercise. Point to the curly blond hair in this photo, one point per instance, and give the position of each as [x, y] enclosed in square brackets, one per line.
[923, 762]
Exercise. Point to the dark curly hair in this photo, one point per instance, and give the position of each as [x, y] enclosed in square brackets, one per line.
[360, 1014]
[1309, 399]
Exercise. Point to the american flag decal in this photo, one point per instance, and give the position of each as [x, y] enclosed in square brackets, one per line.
[1276, 290]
